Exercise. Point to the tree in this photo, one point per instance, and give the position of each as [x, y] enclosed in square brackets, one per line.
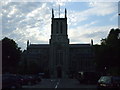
[113, 47]
[10, 55]
[108, 53]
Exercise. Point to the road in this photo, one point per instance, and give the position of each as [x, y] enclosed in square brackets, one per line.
[61, 83]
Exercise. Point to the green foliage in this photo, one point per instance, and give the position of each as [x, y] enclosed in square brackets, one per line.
[108, 53]
[10, 55]
[32, 67]
[114, 71]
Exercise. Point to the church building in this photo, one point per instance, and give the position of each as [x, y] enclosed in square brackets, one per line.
[59, 57]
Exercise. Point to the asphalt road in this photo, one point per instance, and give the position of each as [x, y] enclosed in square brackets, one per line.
[61, 83]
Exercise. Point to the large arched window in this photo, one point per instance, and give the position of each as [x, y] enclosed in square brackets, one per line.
[57, 27]
[61, 27]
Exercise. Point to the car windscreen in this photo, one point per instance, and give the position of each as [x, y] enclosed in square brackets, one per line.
[105, 79]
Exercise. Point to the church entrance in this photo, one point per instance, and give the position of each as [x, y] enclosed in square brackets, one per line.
[59, 72]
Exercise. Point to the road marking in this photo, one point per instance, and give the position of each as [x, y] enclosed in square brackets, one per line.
[57, 84]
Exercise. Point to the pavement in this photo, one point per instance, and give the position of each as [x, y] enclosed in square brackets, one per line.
[61, 83]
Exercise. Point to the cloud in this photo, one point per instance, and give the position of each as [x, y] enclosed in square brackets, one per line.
[90, 24]
[96, 9]
[102, 8]
[24, 21]
[22, 24]
[114, 17]
[62, 0]
[83, 34]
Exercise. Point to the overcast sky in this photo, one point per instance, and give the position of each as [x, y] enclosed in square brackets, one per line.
[24, 21]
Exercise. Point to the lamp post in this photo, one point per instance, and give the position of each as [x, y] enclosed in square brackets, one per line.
[9, 69]
[105, 70]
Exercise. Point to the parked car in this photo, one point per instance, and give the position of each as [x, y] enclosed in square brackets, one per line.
[112, 82]
[11, 81]
[37, 78]
[41, 75]
[27, 80]
[22, 78]
[31, 79]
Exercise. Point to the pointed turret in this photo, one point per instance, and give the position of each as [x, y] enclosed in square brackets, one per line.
[65, 13]
[52, 13]
[27, 43]
[92, 42]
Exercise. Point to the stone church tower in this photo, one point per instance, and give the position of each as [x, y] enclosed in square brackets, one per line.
[59, 58]
[59, 51]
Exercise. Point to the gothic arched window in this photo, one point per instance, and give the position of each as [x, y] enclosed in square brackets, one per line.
[57, 27]
[61, 27]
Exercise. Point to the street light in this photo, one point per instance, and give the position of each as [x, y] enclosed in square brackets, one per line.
[105, 70]
[8, 57]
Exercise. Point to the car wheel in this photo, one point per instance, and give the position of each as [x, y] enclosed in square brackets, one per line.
[13, 86]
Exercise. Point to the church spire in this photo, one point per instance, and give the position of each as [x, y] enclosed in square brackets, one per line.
[52, 13]
[28, 43]
[92, 42]
[65, 13]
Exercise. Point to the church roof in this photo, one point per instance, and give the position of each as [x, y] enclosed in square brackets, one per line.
[79, 45]
[39, 46]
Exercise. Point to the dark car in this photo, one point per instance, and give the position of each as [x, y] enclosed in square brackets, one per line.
[112, 82]
[36, 78]
[11, 81]
[30, 79]
[27, 80]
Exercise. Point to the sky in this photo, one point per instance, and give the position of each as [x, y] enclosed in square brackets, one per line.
[22, 21]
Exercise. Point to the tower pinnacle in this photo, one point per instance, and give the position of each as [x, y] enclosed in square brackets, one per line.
[52, 13]
[28, 43]
[92, 42]
[65, 13]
